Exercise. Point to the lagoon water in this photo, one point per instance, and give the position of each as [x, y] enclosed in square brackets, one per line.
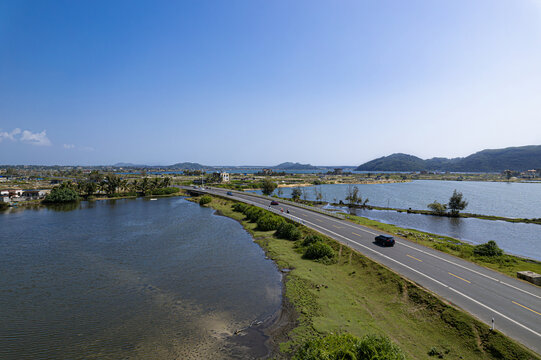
[130, 279]
[518, 200]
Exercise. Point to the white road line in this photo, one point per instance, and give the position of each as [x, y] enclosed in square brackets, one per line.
[439, 258]
[415, 270]
[430, 278]
[427, 253]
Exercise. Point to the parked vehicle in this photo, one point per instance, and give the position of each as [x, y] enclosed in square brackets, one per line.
[384, 240]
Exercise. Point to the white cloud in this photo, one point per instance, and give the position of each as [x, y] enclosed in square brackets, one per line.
[39, 139]
[69, 146]
[10, 136]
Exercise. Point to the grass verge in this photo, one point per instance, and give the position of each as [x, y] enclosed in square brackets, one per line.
[358, 296]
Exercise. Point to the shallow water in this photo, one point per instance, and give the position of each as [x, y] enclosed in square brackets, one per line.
[130, 279]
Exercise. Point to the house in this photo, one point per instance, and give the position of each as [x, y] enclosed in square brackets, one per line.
[4, 199]
[35, 194]
[224, 177]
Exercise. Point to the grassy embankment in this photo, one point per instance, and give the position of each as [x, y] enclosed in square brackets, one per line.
[507, 264]
[358, 296]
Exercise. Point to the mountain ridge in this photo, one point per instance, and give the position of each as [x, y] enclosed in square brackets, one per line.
[489, 160]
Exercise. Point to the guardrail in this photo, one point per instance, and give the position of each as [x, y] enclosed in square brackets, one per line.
[292, 203]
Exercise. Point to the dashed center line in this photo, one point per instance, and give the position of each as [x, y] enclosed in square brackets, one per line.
[525, 307]
[356, 234]
[413, 257]
[458, 277]
[338, 227]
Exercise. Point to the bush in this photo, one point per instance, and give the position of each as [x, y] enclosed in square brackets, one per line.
[490, 249]
[253, 213]
[269, 222]
[165, 191]
[240, 207]
[312, 238]
[288, 231]
[318, 250]
[61, 195]
[205, 199]
[346, 346]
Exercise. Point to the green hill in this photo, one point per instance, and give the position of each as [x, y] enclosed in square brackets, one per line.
[494, 160]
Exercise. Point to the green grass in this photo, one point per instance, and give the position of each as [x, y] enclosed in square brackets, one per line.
[506, 264]
[358, 296]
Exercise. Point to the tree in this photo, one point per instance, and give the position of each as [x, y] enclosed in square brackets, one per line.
[268, 186]
[111, 183]
[456, 203]
[61, 194]
[296, 194]
[352, 195]
[437, 208]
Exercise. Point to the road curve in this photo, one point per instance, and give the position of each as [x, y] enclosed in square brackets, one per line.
[514, 305]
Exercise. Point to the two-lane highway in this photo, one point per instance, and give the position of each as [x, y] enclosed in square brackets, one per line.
[514, 305]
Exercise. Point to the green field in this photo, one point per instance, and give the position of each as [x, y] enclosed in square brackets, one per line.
[358, 296]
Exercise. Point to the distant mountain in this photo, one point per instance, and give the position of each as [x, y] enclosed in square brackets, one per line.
[189, 166]
[494, 160]
[131, 165]
[294, 166]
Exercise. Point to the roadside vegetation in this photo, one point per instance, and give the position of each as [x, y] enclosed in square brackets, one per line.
[349, 307]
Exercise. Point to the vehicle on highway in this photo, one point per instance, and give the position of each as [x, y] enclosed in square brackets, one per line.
[384, 240]
[274, 202]
[229, 193]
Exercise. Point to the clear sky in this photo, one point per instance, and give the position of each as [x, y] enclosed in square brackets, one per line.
[262, 82]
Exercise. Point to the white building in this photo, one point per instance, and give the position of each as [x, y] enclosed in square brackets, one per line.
[224, 176]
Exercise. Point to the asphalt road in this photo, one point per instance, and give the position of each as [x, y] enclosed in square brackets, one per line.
[514, 305]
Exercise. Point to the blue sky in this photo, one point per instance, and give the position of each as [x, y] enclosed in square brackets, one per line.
[263, 82]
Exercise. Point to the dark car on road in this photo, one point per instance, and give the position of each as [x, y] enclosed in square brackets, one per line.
[274, 202]
[229, 193]
[384, 240]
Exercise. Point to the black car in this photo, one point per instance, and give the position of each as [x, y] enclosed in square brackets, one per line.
[229, 193]
[384, 240]
[274, 202]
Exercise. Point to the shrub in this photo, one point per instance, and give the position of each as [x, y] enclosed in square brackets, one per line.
[240, 207]
[165, 191]
[61, 195]
[312, 238]
[346, 346]
[490, 249]
[205, 199]
[269, 222]
[288, 231]
[318, 250]
[253, 213]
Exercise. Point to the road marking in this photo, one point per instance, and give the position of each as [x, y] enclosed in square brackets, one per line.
[358, 227]
[420, 273]
[357, 234]
[525, 307]
[430, 278]
[319, 220]
[458, 277]
[413, 257]
[338, 227]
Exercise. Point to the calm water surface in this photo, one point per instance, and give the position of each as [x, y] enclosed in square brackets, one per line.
[518, 200]
[129, 279]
